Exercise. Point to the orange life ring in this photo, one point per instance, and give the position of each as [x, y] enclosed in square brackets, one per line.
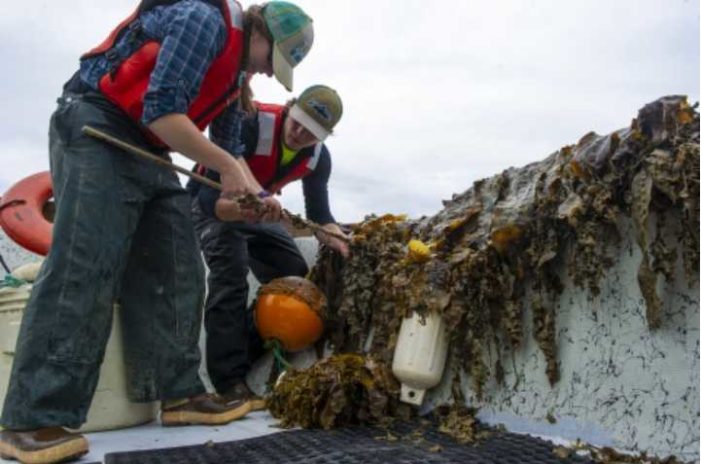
[21, 213]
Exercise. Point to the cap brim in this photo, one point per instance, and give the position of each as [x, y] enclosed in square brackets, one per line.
[282, 69]
[310, 124]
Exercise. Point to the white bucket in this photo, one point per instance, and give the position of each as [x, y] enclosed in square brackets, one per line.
[12, 303]
[110, 408]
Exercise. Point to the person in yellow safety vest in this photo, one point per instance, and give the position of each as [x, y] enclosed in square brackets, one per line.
[123, 229]
[281, 144]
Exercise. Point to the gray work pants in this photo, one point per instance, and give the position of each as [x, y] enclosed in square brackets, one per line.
[123, 232]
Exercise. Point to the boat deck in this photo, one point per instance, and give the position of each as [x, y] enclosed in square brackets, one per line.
[153, 436]
[416, 441]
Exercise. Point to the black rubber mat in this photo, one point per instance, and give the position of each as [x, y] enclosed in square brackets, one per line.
[356, 445]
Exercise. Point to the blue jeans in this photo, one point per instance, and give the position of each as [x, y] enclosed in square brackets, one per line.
[122, 232]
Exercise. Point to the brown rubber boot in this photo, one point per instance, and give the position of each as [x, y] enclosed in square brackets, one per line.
[205, 409]
[42, 446]
[241, 392]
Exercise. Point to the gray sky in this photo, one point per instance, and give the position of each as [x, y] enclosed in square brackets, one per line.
[437, 94]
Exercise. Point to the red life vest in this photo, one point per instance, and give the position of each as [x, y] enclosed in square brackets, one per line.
[265, 161]
[127, 84]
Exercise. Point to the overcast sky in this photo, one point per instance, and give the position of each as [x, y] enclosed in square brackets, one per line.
[437, 94]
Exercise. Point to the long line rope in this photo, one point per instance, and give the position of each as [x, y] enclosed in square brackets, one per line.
[248, 200]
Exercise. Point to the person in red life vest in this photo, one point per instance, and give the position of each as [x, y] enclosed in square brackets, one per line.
[280, 144]
[123, 229]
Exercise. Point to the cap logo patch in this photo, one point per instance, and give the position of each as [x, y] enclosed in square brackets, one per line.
[297, 53]
[321, 109]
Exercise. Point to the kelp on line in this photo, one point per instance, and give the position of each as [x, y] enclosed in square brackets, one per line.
[502, 245]
[352, 389]
[340, 390]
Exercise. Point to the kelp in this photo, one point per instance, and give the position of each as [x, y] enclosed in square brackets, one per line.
[607, 455]
[344, 389]
[352, 389]
[502, 246]
[460, 422]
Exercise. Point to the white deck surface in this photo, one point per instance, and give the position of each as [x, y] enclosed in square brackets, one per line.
[153, 436]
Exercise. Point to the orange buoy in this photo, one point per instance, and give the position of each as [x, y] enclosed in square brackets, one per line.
[21, 213]
[290, 310]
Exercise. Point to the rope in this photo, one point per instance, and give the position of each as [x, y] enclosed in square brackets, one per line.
[12, 203]
[12, 282]
[9, 280]
[4, 265]
[278, 353]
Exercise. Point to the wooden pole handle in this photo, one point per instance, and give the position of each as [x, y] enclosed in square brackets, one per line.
[294, 219]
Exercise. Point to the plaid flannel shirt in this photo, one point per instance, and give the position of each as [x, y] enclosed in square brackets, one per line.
[191, 33]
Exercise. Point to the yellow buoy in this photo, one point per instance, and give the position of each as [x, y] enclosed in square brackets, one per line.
[418, 251]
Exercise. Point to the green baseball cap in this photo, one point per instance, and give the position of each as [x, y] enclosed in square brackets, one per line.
[318, 109]
[293, 35]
